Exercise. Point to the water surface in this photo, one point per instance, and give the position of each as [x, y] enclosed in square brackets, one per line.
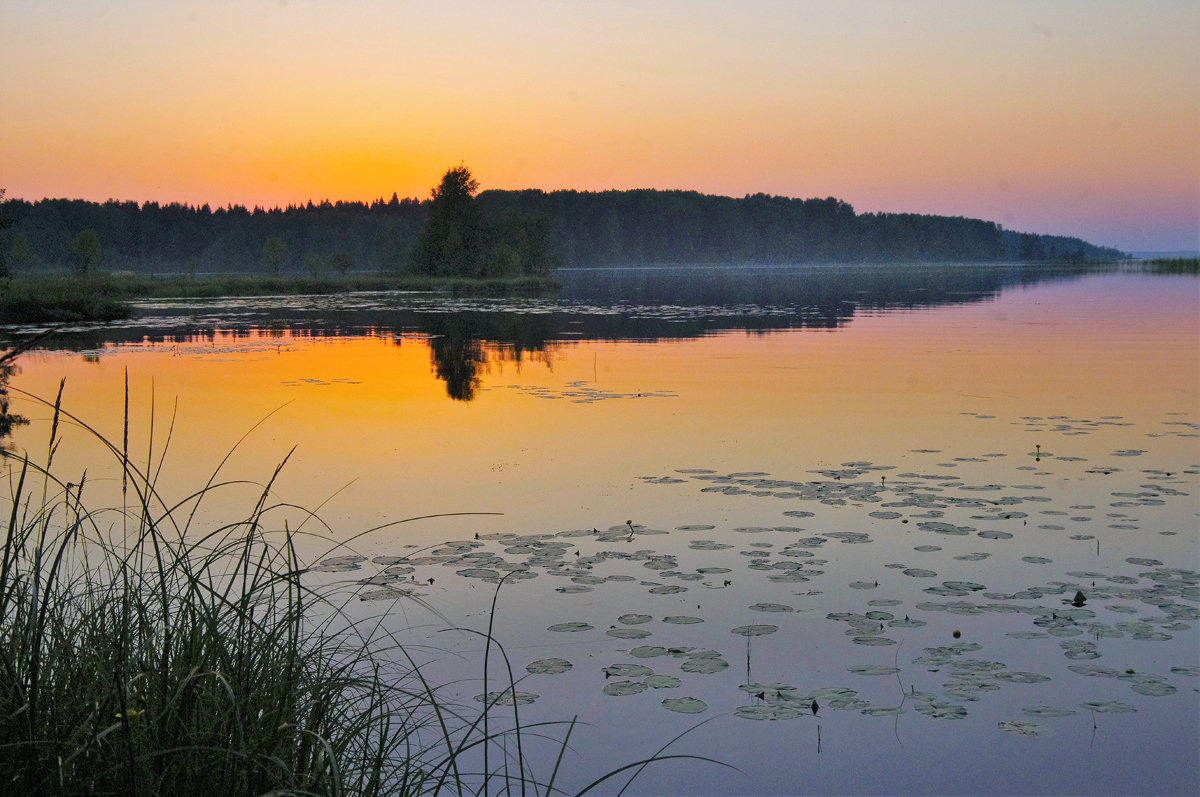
[907, 474]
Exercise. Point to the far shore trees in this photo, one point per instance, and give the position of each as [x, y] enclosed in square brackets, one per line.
[274, 250]
[526, 231]
[85, 251]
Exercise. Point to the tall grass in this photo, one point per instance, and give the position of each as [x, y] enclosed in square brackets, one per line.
[142, 654]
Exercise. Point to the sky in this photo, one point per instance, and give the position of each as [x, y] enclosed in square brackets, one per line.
[1071, 117]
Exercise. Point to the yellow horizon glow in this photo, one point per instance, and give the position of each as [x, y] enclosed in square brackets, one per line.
[1051, 118]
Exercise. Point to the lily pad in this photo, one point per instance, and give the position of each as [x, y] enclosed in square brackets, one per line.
[883, 711]
[548, 666]
[1048, 711]
[685, 705]
[1108, 707]
[769, 711]
[628, 633]
[626, 670]
[569, 628]
[622, 688]
[872, 669]
[1017, 726]
[648, 651]
[754, 630]
[1018, 677]
[704, 666]
[771, 607]
[507, 698]
[1154, 688]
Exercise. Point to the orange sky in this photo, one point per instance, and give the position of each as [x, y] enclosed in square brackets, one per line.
[1076, 117]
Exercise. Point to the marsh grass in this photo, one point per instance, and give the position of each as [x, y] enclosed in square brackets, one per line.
[141, 654]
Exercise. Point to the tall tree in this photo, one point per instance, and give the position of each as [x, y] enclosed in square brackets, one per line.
[85, 251]
[453, 241]
[274, 250]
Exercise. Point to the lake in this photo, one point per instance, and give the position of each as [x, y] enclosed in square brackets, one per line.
[952, 509]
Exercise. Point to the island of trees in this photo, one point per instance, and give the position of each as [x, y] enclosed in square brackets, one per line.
[462, 232]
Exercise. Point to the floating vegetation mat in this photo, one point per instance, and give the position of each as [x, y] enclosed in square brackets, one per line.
[906, 593]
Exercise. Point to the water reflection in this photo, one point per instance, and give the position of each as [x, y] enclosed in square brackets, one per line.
[7, 420]
[609, 305]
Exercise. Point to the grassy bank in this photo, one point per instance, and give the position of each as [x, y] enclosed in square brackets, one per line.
[67, 298]
[142, 654]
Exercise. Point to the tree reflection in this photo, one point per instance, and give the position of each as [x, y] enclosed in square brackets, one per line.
[462, 345]
[457, 359]
[8, 421]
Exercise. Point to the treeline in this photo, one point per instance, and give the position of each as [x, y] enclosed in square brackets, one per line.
[501, 233]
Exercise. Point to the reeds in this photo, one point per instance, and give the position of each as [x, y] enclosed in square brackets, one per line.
[140, 654]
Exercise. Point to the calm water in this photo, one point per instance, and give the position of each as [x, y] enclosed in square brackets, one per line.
[878, 489]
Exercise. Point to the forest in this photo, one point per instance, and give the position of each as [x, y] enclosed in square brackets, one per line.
[497, 233]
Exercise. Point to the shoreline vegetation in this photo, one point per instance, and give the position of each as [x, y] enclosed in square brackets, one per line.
[64, 261]
[68, 298]
[459, 239]
[147, 652]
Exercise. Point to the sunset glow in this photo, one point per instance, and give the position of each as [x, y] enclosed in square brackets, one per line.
[1076, 118]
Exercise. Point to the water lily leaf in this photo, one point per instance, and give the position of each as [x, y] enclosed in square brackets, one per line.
[569, 627]
[1154, 688]
[1048, 711]
[685, 705]
[771, 607]
[628, 633]
[704, 666]
[872, 669]
[1108, 707]
[625, 670]
[883, 711]
[507, 698]
[1018, 677]
[648, 651]
[754, 630]
[622, 688]
[769, 711]
[1017, 726]
[548, 666]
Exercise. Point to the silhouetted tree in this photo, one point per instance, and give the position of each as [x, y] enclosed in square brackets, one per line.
[274, 250]
[85, 251]
[452, 242]
[21, 255]
[341, 262]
